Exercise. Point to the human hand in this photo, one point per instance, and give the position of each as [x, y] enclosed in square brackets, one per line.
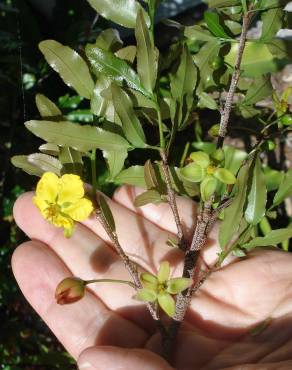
[107, 329]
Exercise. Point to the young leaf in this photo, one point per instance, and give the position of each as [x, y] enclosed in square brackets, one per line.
[70, 66]
[147, 56]
[271, 239]
[71, 160]
[105, 63]
[233, 214]
[213, 23]
[45, 162]
[21, 161]
[107, 213]
[115, 161]
[133, 175]
[82, 138]
[149, 196]
[131, 125]
[285, 189]
[46, 107]
[257, 197]
[123, 12]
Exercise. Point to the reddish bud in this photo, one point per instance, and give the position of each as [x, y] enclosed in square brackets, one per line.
[70, 290]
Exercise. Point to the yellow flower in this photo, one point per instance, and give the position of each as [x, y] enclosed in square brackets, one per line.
[61, 200]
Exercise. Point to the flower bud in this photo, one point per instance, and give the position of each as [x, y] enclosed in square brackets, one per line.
[70, 290]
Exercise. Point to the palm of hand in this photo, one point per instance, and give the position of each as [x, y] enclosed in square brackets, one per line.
[102, 329]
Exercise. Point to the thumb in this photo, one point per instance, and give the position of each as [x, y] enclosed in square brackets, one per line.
[111, 358]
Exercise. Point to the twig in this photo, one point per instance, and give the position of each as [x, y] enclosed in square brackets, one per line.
[225, 115]
[172, 201]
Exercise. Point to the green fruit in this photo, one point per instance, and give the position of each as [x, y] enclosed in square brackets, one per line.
[217, 62]
[286, 119]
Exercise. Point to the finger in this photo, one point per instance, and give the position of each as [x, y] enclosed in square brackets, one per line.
[87, 256]
[112, 358]
[144, 242]
[88, 322]
[162, 216]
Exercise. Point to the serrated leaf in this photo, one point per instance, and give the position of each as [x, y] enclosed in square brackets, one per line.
[285, 189]
[105, 63]
[123, 12]
[130, 123]
[71, 160]
[70, 66]
[234, 213]
[133, 175]
[213, 23]
[271, 239]
[257, 197]
[107, 213]
[22, 162]
[198, 33]
[50, 149]
[115, 161]
[147, 55]
[149, 196]
[81, 138]
[45, 162]
[46, 107]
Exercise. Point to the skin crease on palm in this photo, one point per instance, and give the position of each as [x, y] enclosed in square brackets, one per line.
[107, 329]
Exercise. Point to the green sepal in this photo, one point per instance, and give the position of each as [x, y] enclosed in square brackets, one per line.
[208, 187]
[225, 176]
[200, 158]
[146, 295]
[167, 303]
[148, 280]
[164, 271]
[192, 172]
[177, 285]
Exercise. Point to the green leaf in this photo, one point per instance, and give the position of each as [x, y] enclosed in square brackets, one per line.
[257, 59]
[177, 285]
[225, 176]
[81, 138]
[222, 3]
[109, 39]
[70, 66]
[128, 53]
[21, 161]
[149, 196]
[163, 272]
[203, 61]
[273, 178]
[123, 12]
[71, 160]
[133, 175]
[233, 158]
[285, 189]
[50, 149]
[259, 89]
[192, 172]
[257, 197]
[200, 158]
[197, 33]
[272, 23]
[213, 23]
[208, 187]
[150, 175]
[46, 107]
[107, 213]
[206, 101]
[146, 295]
[271, 239]
[80, 115]
[100, 105]
[130, 123]
[105, 63]
[167, 303]
[115, 161]
[45, 162]
[233, 214]
[147, 55]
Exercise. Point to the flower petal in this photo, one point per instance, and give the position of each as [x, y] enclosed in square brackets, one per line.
[47, 187]
[200, 158]
[148, 280]
[167, 303]
[164, 271]
[193, 172]
[71, 189]
[80, 210]
[225, 176]
[40, 203]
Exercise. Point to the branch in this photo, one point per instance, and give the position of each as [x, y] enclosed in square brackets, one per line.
[225, 115]
[172, 201]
